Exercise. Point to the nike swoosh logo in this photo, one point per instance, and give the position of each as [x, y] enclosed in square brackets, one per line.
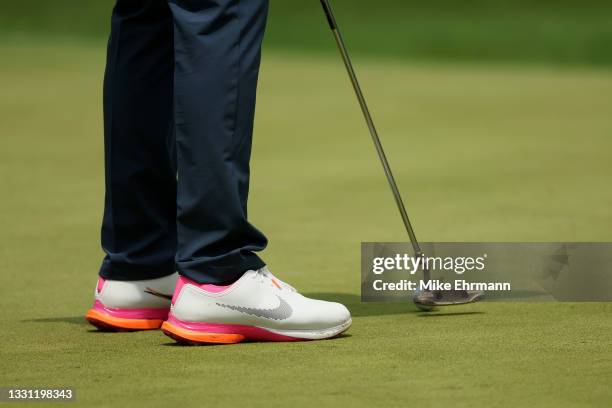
[158, 294]
[281, 312]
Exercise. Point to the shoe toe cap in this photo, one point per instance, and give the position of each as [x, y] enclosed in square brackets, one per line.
[328, 314]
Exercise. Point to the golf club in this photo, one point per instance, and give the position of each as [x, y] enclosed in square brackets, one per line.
[425, 300]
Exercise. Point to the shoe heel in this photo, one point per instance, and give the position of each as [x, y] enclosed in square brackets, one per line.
[107, 322]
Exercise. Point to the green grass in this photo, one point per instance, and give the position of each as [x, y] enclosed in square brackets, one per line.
[576, 32]
[481, 153]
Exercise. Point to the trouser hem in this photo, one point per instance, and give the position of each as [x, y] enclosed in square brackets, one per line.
[206, 272]
[115, 271]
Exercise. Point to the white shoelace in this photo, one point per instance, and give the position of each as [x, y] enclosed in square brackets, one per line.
[265, 272]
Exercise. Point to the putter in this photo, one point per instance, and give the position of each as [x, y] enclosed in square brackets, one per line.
[425, 300]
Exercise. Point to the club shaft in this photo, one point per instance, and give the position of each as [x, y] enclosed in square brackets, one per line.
[370, 122]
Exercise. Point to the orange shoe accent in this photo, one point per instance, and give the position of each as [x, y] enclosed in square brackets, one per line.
[105, 322]
[193, 337]
[276, 284]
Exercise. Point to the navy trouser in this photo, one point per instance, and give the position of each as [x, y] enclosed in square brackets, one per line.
[179, 100]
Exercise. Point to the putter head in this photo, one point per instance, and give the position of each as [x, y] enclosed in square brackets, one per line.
[428, 300]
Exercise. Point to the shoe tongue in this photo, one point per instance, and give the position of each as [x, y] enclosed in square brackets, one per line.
[250, 273]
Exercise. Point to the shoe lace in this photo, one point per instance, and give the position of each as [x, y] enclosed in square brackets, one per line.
[264, 273]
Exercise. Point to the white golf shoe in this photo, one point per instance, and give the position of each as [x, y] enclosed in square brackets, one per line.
[257, 307]
[132, 305]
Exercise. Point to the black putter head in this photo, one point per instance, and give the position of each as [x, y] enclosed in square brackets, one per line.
[427, 300]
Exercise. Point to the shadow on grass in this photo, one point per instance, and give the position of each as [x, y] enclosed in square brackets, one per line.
[353, 302]
[438, 314]
[177, 344]
[80, 320]
[357, 308]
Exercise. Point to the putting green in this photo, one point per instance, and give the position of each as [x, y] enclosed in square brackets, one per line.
[481, 153]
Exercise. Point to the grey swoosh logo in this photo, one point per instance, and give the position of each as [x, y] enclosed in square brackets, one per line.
[281, 312]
